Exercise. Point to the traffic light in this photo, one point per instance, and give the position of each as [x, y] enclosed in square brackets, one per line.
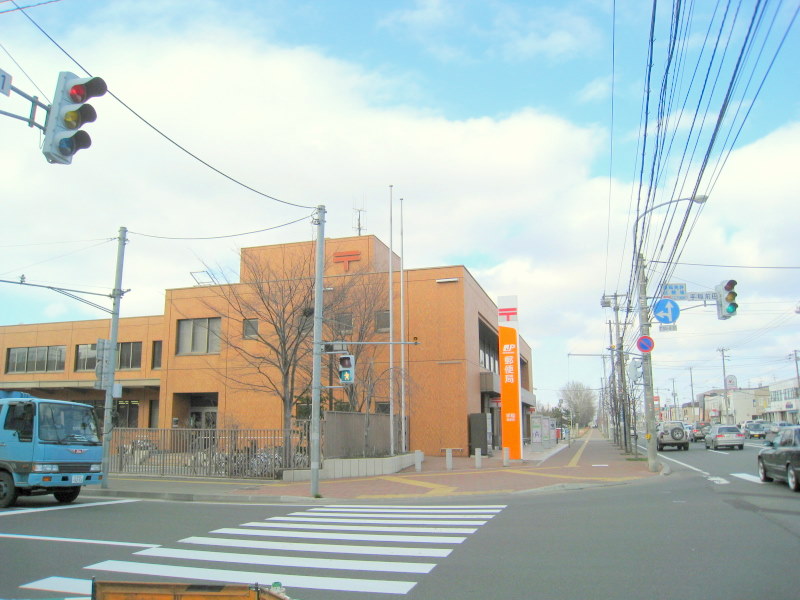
[634, 370]
[63, 135]
[347, 368]
[726, 299]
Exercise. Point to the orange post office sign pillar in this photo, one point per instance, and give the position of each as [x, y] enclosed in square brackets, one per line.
[511, 405]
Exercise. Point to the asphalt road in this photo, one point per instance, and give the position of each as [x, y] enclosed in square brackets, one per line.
[708, 528]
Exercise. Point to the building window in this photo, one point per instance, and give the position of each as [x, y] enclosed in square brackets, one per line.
[344, 323]
[85, 357]
[40, 359]
[382, 321]
[199, 336]
[250, 329]
[129, 355]
[155, 362]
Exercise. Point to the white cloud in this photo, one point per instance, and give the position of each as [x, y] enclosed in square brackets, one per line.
[514, 194]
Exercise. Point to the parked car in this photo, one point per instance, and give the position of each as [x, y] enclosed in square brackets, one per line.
[743, 425]
[671, 433]
[755, 430]
[722, 436]
[698, 432]
[780, 458]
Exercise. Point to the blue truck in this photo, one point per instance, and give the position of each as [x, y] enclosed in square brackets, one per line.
[47, 447]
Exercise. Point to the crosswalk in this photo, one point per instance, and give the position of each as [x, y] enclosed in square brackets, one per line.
[347, 548]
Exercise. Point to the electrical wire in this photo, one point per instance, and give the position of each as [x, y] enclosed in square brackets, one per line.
[156, 129]
[220, 237]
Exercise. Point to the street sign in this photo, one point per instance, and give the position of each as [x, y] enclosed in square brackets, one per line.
[5, 83]
[645, 343]
[666, 311]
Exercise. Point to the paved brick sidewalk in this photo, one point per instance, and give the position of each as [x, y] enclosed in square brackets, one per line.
[589, 460]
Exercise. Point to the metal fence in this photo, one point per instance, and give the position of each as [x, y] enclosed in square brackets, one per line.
[257, 453]
[359, 435]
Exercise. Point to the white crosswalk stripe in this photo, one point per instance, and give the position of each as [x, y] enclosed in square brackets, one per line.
[370, 542]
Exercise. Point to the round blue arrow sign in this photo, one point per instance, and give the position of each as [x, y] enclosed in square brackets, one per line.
[666, 311]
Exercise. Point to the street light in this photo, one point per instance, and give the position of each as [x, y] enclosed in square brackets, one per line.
[644, 330]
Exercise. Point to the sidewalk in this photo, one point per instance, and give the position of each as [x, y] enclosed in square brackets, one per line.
[587, 461]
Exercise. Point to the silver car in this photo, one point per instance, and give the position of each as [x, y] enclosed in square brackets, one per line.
[720, 436]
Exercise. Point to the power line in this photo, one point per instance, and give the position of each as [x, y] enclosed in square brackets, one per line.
[156, 129]
[220, 237]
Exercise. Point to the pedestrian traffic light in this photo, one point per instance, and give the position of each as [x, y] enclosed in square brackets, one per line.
[63, 135]
[347, 368]
[726, 299]
[634, 370]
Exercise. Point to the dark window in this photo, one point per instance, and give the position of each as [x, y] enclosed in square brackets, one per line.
[382, 321]
[198, 336]
[36, 359]
[85, 357]
[156, 359]
[344, 323]
[20, 418]
[250, 329]
[129, 355]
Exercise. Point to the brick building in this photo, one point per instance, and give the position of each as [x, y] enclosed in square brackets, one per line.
[204, 362]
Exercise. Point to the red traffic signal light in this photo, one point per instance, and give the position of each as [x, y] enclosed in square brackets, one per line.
[347, 368]
[63, 135]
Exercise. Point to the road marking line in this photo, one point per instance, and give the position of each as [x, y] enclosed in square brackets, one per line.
[377, 521]
[571, 477]
[718, 480]
[23, 511]
[576, 458]
[61, 584]
[327, 548]
[748, 477]
[43, 538]
[273, 525]
[383, 518]
[290, 561]
[249, 577]
[358, 537]
[495, 508]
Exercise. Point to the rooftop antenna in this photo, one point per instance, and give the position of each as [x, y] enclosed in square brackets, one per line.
[357, 220]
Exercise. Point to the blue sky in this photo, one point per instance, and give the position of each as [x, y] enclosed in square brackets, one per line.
[492, 120]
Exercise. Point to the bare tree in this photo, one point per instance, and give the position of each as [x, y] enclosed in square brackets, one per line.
[580, 401]
[274, 307]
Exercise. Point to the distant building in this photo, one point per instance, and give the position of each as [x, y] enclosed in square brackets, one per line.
[784, 401]
[202, 363]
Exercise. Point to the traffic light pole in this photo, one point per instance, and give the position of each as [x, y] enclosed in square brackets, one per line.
[316, 369]
[647, 372]
[109, 398]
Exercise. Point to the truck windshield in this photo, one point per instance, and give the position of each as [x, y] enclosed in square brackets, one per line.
[67, 424]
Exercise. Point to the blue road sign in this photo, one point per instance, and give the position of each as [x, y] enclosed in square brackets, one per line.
[645, 343]
[666, 311]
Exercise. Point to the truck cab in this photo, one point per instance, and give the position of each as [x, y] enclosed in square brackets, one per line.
[47, 447]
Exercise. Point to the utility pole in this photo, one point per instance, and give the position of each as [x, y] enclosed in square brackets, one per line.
[694, 400]
[108, 412]
[316, 367]
[725, 383]
[623, 388]
[647, 371]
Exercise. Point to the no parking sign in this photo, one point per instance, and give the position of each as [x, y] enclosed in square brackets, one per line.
[645, 343]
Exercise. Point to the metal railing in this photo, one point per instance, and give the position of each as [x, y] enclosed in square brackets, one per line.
[238, 453]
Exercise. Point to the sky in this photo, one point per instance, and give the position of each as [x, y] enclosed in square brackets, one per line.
[518, 134]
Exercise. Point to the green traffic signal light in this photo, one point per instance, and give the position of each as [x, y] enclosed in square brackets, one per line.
[726, 299]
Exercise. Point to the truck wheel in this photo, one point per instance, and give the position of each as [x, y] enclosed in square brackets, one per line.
[68, 495]
[8, 492]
